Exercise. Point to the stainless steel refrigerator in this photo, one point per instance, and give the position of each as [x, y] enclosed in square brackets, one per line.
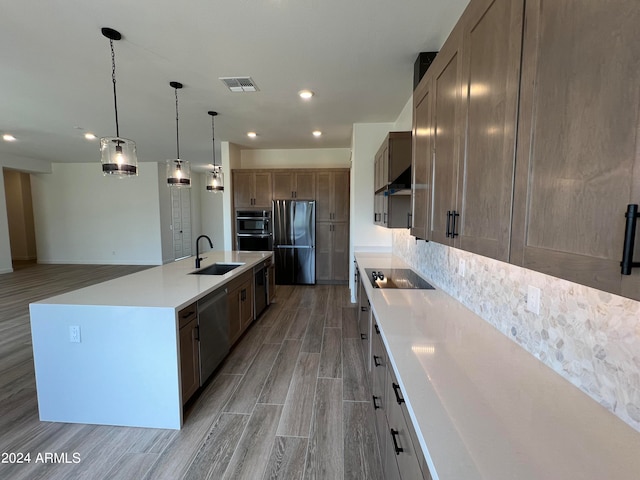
[294, 241]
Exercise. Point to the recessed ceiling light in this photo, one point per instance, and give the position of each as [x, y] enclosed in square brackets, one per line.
[252, 134]
[90, 136]
[8, 137]
[317, 133]
[305, 94]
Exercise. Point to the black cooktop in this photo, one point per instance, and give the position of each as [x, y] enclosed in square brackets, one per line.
[396, 278]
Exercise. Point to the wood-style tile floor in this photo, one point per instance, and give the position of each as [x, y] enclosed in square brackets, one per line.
[290, 402]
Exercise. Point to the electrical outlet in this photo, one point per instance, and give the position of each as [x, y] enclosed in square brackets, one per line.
[461, 267]
[533, 299]
[74, 333]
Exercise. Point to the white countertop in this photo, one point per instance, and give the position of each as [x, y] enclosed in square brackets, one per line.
[482, 406]
[166, 286]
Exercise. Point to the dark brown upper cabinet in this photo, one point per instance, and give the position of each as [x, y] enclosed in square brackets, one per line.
[578, 159]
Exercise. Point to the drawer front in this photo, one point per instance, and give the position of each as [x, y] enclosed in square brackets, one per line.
[187, 314]
[399, 434]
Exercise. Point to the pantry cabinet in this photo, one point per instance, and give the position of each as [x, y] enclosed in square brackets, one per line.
[332, 252]
[578, 159]
[332, 196]
[332, 226]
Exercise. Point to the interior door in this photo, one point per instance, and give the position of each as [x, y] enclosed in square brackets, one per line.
[181, 222]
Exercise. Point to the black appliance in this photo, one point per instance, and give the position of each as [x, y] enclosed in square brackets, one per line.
[396, 278]
[254, 230]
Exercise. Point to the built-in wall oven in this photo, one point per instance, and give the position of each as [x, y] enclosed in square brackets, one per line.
[253, 230]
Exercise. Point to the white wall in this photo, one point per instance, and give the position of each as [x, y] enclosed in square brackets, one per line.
[231, 160]
[84, 217]
[212, 216]
[404, 122]
[296, 158]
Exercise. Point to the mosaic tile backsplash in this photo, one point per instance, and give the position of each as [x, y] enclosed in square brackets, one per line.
[590, 337]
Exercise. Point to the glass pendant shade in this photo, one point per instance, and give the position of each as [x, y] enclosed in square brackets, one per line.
[178, 173]
[118, 156]
[215, 180]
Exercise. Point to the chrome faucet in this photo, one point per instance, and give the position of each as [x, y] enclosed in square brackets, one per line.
[198, 251]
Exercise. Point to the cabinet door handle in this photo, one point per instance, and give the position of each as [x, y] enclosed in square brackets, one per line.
[398, 449]
[627, 262]
[377, 329]
[448, 223]
[375, 405]
[363, 309]
[376, 361]
[385, 218]
[397, 391]
[454, 214]
[363, 336]
[243, 294]
[197, 329]
[409, 216]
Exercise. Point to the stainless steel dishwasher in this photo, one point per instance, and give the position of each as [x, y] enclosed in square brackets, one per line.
[213, 321]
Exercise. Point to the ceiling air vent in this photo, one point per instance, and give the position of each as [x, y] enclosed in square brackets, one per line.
[240, 84]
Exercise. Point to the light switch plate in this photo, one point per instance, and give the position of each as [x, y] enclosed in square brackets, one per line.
[533, 299]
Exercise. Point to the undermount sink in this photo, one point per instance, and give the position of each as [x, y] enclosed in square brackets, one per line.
[217, 269]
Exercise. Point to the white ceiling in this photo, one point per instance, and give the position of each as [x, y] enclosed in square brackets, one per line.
[356, 55]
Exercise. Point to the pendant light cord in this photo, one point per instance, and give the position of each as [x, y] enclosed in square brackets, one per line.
[213, 141]
[113, 79]
[177, 136]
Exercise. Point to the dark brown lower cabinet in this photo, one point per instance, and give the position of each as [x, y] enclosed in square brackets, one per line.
[399, 448]
[189, 352]
[240, 305]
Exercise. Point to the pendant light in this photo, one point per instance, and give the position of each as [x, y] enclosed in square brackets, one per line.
[118, 154]
[178, 171]
[215, 178]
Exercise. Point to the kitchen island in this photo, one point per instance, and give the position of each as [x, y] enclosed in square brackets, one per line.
[482, 407]
[109, 353]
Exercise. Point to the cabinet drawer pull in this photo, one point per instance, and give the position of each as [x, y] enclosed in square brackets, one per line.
[448, 234]
[627, 262]
[397, 391]
[363, 336]
[376, 361]
[363, 309]
[398, 449]
[375, 405]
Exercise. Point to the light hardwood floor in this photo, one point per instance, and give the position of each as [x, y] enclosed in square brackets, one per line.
[290, 401]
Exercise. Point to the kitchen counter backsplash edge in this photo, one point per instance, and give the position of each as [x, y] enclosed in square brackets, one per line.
[590, 337]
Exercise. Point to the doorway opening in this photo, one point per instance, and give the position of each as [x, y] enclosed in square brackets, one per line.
[22, 234]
